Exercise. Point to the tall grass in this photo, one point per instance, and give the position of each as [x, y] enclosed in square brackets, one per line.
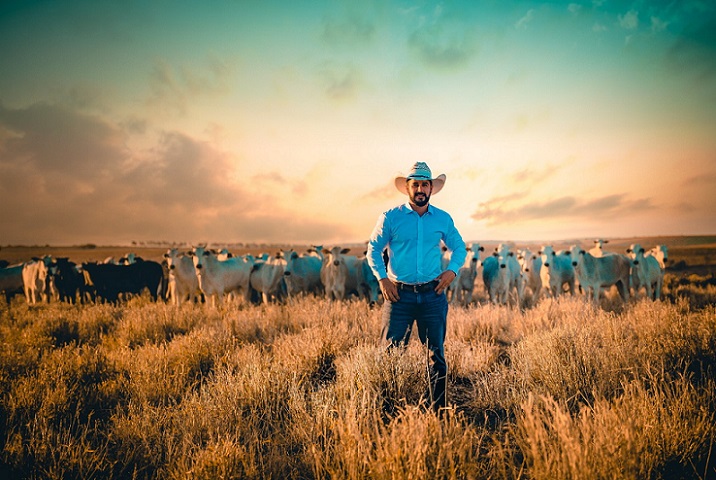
[560, 390]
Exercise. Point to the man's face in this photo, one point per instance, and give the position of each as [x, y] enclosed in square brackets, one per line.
[419, 191]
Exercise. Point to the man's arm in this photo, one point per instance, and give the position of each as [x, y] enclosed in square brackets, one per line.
[444, 281]
[376, 244]
[454, 242]
[379, 239]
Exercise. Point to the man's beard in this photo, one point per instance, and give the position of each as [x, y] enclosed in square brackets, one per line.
[421, 199]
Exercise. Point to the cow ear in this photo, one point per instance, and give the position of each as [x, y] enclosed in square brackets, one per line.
[628, 250]
[495, 254]
[482, 249]
[345, 250]
[582, 252]
[642, 251]
[554, 254]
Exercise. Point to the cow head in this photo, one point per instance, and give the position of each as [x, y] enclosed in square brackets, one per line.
[547, 254]
[200, 254]
[171, 256]
[335, 256]
[576, 253]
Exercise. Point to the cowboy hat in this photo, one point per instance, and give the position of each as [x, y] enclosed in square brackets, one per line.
[420, 171]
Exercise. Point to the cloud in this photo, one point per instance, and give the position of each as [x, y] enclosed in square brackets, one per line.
[351, 30]
[296, 186]
[55, 140]
[66, 177]
[694, 51]
[705, 179]
[506, 210]
[533, 176]
[340, 81]
[443, 42]
[525, 20]
[174, 87]
[658, 25]
[630, 20]
[574, 8]
[382, 192]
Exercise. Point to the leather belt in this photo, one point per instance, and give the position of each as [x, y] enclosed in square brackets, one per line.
[418, 288]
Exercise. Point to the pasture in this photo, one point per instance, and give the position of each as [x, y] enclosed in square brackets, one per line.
[558, 389]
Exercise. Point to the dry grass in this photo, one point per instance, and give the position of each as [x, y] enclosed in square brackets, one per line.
[560, 390]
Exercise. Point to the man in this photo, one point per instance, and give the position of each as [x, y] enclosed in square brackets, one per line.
[413, 283]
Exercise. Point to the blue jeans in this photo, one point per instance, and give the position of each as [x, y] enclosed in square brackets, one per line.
[429, 310]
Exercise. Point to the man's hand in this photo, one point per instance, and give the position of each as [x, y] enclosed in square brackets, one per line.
[444, 281]
[390, 291]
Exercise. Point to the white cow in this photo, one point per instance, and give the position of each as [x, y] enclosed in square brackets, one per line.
[598, 249]
[224, 254]
[316, 251]
[267, 278]
[183, 282]
[646, 272]
[341, 274]
[35, 279]
[496, 277]
[557, 271]
[128, 259]
[370, 286]
[462, 287]
[531, 265]
[302, 273]
[516, 286]
[661, 253]
[594, 273]
[218, 277]
[445, 259]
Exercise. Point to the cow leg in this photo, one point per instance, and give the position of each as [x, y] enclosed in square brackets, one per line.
[468, 297]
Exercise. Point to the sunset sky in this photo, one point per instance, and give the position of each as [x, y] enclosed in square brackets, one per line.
[286, 121]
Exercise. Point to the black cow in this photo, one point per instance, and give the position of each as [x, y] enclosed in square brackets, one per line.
[109, 281]
[68, 280]
[11, 282]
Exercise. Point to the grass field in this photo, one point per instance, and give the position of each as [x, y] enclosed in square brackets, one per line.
[562, 389]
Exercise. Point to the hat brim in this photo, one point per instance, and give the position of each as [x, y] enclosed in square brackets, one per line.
[401, 183]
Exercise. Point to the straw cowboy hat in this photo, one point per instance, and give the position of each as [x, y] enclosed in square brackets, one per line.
[420, 171]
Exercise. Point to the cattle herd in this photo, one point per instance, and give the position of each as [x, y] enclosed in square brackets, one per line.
[213, 277]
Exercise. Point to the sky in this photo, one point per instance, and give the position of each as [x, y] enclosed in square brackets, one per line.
[287, 121]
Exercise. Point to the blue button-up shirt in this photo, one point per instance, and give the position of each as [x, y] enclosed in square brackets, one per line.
[414, 244]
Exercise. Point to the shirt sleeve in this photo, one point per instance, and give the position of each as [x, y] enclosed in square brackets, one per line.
[454, 242]
[378, 241]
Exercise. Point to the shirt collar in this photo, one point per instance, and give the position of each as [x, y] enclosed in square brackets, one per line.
[409, 209]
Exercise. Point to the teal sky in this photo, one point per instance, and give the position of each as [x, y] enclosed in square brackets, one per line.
[268, 121]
